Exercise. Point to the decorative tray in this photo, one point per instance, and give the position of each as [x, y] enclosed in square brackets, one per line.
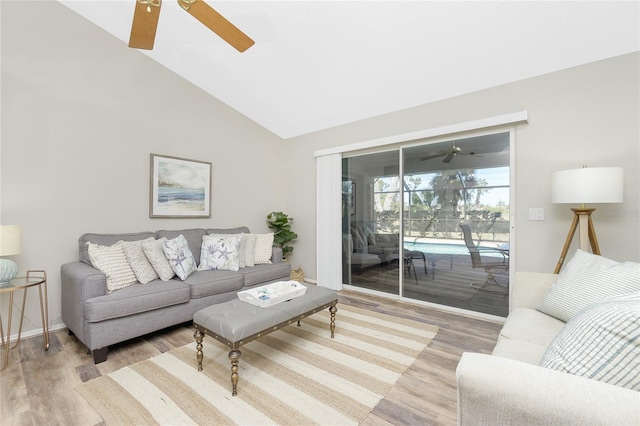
[272, 294]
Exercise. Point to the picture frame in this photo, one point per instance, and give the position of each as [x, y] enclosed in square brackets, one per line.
[352, 199]
[179, 187]
[349, 196]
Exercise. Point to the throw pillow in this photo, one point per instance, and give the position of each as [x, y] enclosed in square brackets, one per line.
[155, 253]
[111, 261]
[586, 279]
[264, 248]
[177, 252]
[220, 252]
[241, 247]
[249, 249]
[602, 342]
[142, 269]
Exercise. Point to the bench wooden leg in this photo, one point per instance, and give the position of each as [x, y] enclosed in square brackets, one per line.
[234, 356]
[332, 326]
[198, 336]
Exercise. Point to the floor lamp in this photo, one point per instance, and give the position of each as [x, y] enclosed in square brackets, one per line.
[582, 186]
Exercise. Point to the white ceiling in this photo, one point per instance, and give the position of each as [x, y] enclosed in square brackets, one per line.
[320, 64]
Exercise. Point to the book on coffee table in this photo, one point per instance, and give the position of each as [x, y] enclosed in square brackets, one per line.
[272, 294]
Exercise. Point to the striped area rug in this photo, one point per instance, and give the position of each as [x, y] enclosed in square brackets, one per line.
[294, 376]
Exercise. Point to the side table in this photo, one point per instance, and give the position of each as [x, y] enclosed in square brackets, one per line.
[24, 283]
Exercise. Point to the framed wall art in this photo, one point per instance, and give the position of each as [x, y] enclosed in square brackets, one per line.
[179, 188]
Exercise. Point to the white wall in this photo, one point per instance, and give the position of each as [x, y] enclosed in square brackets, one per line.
[81, 112]
[584, 115]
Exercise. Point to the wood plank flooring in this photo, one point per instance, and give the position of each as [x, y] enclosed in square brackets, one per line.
[37, 386]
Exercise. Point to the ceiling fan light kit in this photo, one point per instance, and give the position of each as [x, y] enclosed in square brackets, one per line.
[145, 23]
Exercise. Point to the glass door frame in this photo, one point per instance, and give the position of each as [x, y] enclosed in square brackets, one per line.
[400, 146]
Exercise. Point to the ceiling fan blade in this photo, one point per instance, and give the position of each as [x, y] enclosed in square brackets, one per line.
[217, 23]
[145, 23]
[430, 157]
[449, 157]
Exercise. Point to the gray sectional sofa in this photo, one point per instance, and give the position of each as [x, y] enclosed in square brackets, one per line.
[99, 318]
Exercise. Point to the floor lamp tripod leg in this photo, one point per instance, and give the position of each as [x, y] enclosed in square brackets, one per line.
[595, 248]
[567, 243]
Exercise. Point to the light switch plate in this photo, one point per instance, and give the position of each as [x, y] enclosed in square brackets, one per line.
[536, 213]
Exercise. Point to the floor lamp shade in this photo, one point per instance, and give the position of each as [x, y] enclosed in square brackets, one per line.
[10, 244]
[587, 185]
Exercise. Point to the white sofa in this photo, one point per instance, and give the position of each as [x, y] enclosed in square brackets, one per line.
[510, 388]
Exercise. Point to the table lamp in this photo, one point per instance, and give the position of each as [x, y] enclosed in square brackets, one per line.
[10, 244]
[582, 186]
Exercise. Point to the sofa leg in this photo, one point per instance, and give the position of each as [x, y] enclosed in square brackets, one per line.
[100, 355]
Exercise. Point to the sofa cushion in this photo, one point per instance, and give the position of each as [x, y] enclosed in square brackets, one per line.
[179, 256]
[238, 230]
[602, 342]
[207, 283]
[260, 274]
[587, 279]
[193, 237]
[220, 252]
[112, 262]
[107, 240]
[154, 251]
[139, 262]
[528, 352]
[532, 326]
[135, 299]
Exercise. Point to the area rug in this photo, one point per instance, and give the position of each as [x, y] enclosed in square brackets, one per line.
[294, 376]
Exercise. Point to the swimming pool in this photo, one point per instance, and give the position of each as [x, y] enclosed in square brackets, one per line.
[437, 248]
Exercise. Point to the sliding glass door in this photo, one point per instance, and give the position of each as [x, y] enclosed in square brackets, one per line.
[371, 207]
[435, 229]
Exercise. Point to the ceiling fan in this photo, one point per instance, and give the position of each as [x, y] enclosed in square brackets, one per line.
[147, 13]
[448, 154]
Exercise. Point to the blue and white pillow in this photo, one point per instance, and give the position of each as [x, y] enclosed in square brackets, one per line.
[602, 342]
[179, 256]
[220, 252]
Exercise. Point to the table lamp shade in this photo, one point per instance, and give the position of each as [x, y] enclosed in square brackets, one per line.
[587, 185]
[10, 244]
[10, 240]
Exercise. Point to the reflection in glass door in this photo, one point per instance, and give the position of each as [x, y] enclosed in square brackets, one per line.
[453, 246]
[371, 207]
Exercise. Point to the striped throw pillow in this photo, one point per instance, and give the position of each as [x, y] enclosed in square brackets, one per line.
[587, 279]
[602, 342]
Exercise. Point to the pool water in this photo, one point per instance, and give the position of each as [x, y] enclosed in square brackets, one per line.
[437, 248]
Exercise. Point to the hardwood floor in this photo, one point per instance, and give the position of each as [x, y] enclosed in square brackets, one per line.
[37, 386]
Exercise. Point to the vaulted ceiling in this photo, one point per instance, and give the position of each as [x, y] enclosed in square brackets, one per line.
[320, 64]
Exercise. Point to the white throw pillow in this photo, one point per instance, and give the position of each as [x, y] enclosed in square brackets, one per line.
[155, 253]
[602, 342]
[587, 279]
[111, 261]
[249, 249]
[264, 248]
[220, 252]
[177, 252]
[141, 266]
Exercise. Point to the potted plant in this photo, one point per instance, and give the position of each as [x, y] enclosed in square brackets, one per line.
[282, 233]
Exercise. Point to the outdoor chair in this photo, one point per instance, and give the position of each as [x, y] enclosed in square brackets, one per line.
[489, 263]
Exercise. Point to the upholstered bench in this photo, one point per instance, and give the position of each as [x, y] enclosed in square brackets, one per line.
[236, 323]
